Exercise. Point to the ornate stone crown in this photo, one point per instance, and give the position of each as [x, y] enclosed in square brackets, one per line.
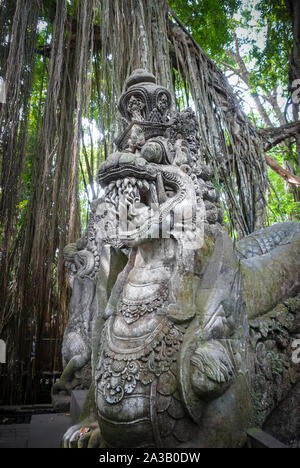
[146, 104]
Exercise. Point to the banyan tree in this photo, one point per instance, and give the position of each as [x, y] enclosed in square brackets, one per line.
[64, 65]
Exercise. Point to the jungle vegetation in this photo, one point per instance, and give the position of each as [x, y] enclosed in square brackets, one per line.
[63, 65]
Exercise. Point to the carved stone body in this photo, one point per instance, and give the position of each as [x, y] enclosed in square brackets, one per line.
[169, 348]
[137, 373]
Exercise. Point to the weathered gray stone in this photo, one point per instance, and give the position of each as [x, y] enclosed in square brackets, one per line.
[173, 361]
[274, 274]
[61, 403]
[273, 372]
[78, 398]
[260, 439]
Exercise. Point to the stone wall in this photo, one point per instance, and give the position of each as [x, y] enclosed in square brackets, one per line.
[275, 370]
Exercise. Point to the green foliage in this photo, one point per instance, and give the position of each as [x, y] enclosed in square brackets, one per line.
[276, 363]
[271, 58]
[208, 21]
[257, 397]
[261, 32]
[281, 205]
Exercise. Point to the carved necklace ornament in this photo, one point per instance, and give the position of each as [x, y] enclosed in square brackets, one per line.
[133, 310]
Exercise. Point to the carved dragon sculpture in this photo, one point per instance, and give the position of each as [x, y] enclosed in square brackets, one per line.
[76, 348]
[169, 344]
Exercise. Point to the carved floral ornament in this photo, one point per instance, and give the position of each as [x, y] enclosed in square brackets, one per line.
[119, 370]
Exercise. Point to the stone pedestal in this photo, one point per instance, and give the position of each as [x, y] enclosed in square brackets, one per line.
[47, 430]
[77, 401]
[61, 403]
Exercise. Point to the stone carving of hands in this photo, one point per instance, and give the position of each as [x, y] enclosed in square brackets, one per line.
[211, 370]
[83, 435]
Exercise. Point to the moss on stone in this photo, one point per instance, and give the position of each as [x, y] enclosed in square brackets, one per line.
[258, 410]
[89, 407]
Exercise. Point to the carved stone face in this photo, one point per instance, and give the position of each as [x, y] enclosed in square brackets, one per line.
[163, 103]
[146, 200]
[135, 108]
[150, 190]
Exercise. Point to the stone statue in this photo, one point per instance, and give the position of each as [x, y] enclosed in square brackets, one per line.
[166, 330]
[82, 266]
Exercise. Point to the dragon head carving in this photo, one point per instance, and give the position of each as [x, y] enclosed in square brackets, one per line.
[153, 185]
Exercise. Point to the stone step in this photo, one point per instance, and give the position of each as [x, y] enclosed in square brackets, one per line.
[61, 403]
[46, 430]
[14, 435]
[260, 439]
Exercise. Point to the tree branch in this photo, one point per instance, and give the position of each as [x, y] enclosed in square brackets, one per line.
[244, 74]
[272, 136]
[271, 98]
[286, 175]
